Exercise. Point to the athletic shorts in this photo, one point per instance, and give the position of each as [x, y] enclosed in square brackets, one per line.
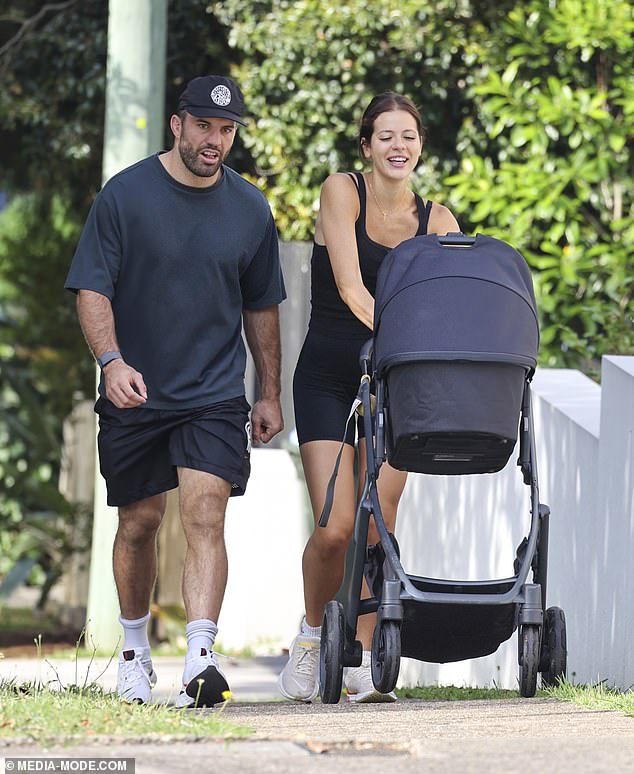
[140, 449]
[325, 384]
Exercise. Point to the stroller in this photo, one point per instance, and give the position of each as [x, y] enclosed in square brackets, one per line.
[452, 357]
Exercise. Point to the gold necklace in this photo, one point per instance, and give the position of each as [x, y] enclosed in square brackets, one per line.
[383, 212]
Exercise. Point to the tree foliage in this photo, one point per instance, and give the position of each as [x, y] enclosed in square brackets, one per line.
[53, 70]
[529, 107]
[309, 69]
[546, 164]
[41, 363]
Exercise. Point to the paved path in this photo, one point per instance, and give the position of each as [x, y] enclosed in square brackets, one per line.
[471, 737]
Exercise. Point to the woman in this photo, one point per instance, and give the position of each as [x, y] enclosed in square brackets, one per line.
[361, 217]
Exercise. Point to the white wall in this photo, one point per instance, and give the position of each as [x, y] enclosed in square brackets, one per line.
[265, 531]
[468, 527]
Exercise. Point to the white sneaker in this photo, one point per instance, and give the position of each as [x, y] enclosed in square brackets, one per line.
[359, 685]
[204, 685]
[299, 680]
[136, 676]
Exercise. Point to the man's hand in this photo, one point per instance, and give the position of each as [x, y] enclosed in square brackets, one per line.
[266, 420]
[125, 387]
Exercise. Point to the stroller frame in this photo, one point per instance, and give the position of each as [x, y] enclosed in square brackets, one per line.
[541, 630]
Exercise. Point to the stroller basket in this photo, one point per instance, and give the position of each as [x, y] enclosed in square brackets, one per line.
[453, 417]
[455, 337]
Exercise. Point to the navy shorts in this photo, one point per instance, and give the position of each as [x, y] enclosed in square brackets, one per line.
[140, 448]
[325, 384]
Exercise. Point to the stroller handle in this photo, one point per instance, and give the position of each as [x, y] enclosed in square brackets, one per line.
[365, 355]
[456, 238]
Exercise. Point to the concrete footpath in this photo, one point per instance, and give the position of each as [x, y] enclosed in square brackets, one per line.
[409, 736]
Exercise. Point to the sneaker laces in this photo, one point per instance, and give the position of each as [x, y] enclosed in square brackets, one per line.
[129, 668]
[306, 662]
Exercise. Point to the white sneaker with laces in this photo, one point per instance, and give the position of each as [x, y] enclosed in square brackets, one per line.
[204, 685]
[359, 685]
[299, 680]
[136, 677]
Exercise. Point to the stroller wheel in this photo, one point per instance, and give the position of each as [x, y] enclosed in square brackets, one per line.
[554, 648]
[331, 653]
[386, 655]
[529, 659]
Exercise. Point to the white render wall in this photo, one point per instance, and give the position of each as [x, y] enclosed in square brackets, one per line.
[468, 527]
[265, 533]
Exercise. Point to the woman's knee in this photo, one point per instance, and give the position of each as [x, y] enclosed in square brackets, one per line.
[330, 541]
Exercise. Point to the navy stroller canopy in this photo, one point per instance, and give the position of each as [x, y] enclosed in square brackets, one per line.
[437, 300]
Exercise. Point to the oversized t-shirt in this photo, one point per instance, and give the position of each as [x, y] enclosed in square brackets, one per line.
[179, 265]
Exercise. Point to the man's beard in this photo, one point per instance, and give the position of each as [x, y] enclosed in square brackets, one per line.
[191, 159]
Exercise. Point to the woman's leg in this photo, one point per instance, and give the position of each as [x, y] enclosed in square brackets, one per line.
[324, 555]
[323, 562]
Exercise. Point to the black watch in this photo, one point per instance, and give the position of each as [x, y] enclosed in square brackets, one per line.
[108, 357]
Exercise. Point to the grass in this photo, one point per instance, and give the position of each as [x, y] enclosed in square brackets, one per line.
[454, 693]
[45, 716]
[596, 697]
[36, 712]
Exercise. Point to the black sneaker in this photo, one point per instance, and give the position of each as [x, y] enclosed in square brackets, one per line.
[204, 685]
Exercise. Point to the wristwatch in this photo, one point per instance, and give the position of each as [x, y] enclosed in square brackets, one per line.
[108, 357]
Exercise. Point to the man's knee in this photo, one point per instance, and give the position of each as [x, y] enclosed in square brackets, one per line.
[203, 514]
[203, 502]
[141, 520]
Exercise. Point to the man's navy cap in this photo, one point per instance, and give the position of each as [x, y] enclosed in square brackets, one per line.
[213, 96]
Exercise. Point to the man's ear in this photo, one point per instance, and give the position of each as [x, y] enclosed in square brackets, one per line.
[176, 125]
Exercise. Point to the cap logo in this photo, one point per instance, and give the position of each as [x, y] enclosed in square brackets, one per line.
[220, 95]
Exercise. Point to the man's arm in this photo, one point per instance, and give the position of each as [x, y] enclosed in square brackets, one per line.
[125, 387]
[262, 329]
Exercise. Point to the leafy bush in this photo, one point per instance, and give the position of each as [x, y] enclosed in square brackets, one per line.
[42, 353]
[546, 165]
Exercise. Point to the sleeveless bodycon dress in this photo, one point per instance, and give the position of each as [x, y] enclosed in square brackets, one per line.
[327, 374]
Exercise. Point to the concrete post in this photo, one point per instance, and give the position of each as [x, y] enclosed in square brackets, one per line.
[135, 96]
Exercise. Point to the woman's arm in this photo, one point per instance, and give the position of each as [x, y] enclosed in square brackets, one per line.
[339, 209]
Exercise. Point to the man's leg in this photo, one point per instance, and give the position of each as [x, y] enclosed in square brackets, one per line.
[134, 565]
[134, 555]
[203, 502]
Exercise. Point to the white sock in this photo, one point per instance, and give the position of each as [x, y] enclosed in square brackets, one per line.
[200, 634]
[135, 633]
[309, 631]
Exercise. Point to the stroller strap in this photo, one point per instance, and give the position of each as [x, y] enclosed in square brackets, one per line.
[330, 489]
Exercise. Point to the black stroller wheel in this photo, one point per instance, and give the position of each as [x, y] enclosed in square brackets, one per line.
[554, 650]
[529, 659]
[331, 653]
[386, 655]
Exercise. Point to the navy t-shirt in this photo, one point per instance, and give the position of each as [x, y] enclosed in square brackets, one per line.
[179, 264]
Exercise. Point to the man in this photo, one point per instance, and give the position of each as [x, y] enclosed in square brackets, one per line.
[177, 252]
